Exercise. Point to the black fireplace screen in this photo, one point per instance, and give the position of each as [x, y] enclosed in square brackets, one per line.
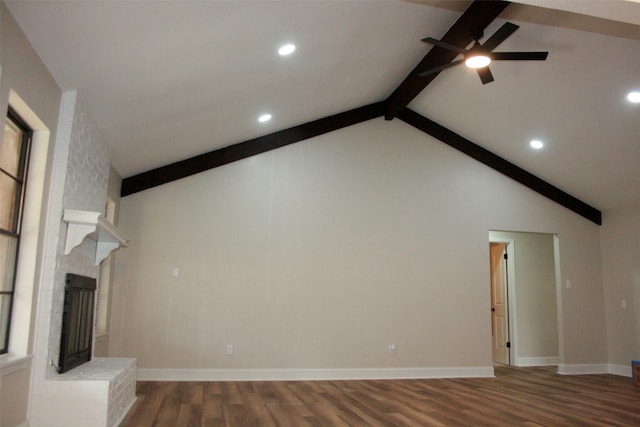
[77, 322]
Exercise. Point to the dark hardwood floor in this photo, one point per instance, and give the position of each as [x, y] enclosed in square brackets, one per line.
[516, 397]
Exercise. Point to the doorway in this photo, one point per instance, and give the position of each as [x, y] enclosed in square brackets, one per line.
[500, 342]
[524, 281]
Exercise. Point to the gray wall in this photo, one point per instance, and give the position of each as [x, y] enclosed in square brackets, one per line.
[320, 254]
[24, 74]
[621, 269]
[534, 312]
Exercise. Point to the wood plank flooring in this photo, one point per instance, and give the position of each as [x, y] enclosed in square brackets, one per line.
[516, 397]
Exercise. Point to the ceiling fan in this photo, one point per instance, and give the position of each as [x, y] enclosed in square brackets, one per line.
[479, 56]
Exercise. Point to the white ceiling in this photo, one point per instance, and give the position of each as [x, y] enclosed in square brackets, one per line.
[167, 80]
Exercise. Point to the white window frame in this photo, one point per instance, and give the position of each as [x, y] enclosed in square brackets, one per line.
[29, 264]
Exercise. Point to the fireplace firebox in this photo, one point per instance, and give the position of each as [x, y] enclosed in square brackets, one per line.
[77, 322]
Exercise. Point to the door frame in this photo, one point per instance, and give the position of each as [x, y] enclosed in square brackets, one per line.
[511, 297]
[556, 261]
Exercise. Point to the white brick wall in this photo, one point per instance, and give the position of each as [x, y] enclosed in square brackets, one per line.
[85, 188]
[88, 166]
[122, 390]
[79, 181]
[98, 393]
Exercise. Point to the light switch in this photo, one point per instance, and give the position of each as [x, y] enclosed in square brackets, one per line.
[176, 271]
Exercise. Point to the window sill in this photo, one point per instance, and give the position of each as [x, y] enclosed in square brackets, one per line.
[10, 363]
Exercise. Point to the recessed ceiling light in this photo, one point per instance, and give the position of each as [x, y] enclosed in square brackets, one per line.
[264, 118]
[634, 97]
[287, 49]
[537, 144]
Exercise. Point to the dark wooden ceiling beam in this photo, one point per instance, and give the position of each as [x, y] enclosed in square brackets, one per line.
[477, 16]
[242, 150]
[501, 165]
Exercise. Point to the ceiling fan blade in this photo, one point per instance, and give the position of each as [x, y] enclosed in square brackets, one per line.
[444, 45]
[519, 56]
[440, 68]
[485, 75]
[499, 36]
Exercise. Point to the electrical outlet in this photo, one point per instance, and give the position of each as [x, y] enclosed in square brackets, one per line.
[392, 349]
[623, 304]
[229, 349]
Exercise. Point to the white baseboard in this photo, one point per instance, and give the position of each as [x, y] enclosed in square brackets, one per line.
[621, 370]
[583, 369]
[311, 374]
[537, 361]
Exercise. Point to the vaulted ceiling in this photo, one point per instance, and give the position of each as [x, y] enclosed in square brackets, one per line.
[167, 81]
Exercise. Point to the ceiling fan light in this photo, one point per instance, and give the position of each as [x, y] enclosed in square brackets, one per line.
[477, 61]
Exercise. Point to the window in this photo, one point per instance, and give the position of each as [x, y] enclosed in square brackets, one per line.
[14, 152]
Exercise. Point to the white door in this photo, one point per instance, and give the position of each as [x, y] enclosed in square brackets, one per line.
[499, 308]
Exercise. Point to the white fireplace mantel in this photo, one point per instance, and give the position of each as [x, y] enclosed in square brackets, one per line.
[81, 224]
